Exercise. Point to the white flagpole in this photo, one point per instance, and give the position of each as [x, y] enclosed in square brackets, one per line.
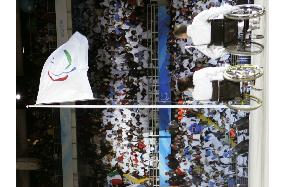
[129, 106]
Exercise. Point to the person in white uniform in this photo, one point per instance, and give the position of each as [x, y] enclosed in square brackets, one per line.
[203, 87]
[200, 31]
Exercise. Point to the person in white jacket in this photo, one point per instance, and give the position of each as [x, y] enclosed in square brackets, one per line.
[200, 31]
[202, 82]
[201, 86]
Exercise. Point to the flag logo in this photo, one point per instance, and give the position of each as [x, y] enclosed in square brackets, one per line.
[63, 75]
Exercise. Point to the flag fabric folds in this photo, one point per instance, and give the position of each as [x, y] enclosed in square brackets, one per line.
[64, 74]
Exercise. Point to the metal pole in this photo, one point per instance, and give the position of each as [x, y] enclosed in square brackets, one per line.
[133, 106]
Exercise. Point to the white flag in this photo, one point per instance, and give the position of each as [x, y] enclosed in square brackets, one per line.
[64, 74]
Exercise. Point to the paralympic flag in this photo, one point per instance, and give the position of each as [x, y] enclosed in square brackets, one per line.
[64, 74]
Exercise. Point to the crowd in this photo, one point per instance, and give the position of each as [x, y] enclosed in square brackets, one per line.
[118, 54]
[123, 27]
[115, 140]
[118, 61]
[127, 131]
[203, 148]
[124, 51]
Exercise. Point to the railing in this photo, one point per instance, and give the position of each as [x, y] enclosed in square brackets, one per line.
[152, 26]
[153, 91]
[242, 181]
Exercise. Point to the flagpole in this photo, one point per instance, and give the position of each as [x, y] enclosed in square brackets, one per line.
[130, 106]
